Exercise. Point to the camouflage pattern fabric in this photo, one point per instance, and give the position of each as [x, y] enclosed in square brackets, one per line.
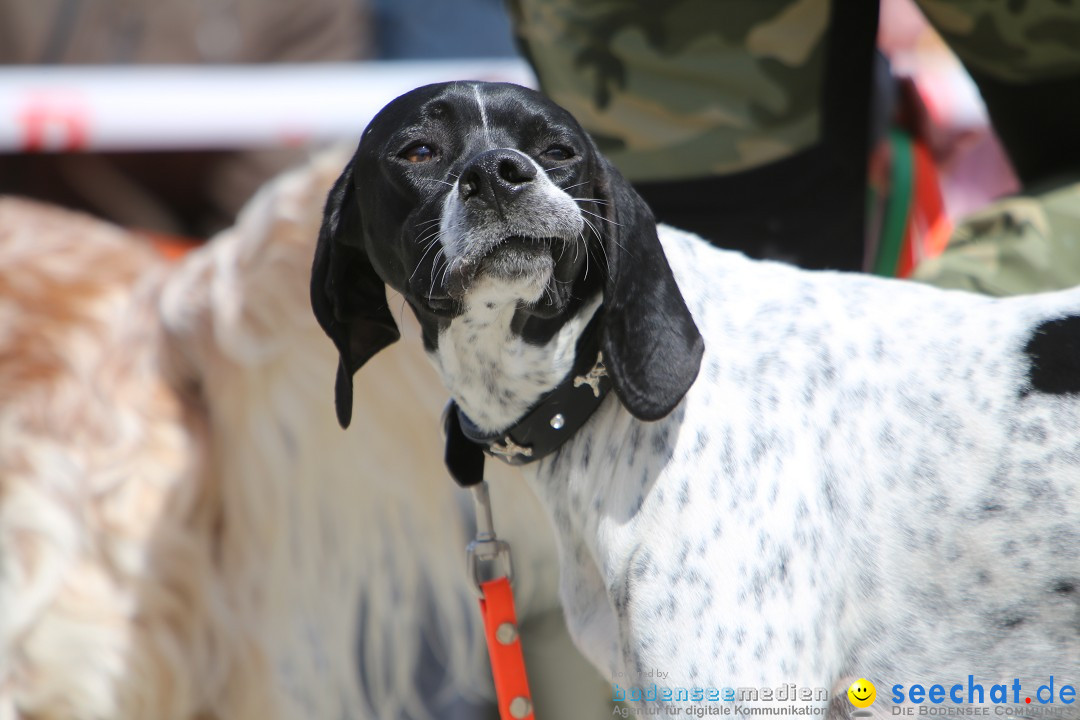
[1015, 246]
[691, 88]
[1013, 40]
[686, 88]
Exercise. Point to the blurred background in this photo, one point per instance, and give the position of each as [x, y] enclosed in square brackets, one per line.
[156, 133]
[825, 133]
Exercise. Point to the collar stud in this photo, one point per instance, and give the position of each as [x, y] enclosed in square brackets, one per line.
[509, 449]
[592, 378]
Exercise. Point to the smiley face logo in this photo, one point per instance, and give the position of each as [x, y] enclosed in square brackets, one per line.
[862, 693]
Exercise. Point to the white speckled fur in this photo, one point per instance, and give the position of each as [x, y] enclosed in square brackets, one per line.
[495, 375]
[860, 478]
[855, 485]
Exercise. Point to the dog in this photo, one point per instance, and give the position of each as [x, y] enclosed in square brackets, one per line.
[184, 531]
[798, 479]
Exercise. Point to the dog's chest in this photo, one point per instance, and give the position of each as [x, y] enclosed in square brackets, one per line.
[492, 372]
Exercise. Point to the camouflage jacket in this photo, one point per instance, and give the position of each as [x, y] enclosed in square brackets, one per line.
[685, 89]
[1023, 244]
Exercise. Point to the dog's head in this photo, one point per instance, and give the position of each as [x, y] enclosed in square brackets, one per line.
[461, 186]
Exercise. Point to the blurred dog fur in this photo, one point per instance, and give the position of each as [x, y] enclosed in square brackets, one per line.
[185, 532]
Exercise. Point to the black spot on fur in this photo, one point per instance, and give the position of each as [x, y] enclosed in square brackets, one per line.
[1054, 353]
[684, 553]
[660, 442]
[1012, 621]
[684, 494]
[1064, 587]
[642, 564]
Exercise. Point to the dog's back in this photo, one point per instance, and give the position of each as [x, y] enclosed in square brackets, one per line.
[866, 479]
[92, 443]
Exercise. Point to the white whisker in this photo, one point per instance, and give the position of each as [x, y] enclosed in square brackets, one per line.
[600, 217]
[434, 263]
[600, 243]
[434, 242]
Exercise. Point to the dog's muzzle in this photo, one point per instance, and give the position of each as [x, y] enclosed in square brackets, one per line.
[505, 219]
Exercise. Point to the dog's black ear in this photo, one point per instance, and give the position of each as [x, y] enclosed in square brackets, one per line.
[348, 297]
[651, 346]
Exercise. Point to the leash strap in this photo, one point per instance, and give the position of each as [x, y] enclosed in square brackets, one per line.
[492, 571]
[504, 649]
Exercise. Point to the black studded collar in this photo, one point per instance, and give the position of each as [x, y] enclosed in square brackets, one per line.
[551, 422]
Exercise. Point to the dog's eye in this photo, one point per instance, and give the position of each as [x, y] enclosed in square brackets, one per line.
[557, 153]
[418, 153]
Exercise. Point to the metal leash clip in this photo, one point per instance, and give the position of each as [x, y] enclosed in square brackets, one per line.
[488, 557]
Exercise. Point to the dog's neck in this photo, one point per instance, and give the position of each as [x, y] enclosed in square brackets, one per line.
[493, 373]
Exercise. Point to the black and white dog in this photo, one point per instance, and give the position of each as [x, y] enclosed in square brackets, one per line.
[799, 477]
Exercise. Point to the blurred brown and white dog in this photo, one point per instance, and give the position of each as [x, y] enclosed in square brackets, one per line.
[184, 530]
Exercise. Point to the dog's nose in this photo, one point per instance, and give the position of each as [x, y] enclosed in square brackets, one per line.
[496, 176]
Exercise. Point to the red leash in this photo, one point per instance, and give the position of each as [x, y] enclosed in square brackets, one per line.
[492, 571]
[504, 649]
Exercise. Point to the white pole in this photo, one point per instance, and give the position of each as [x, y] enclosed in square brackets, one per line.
[176, 107]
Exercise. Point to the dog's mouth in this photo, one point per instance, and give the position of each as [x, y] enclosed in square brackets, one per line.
[516, 255]
[515, 258]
